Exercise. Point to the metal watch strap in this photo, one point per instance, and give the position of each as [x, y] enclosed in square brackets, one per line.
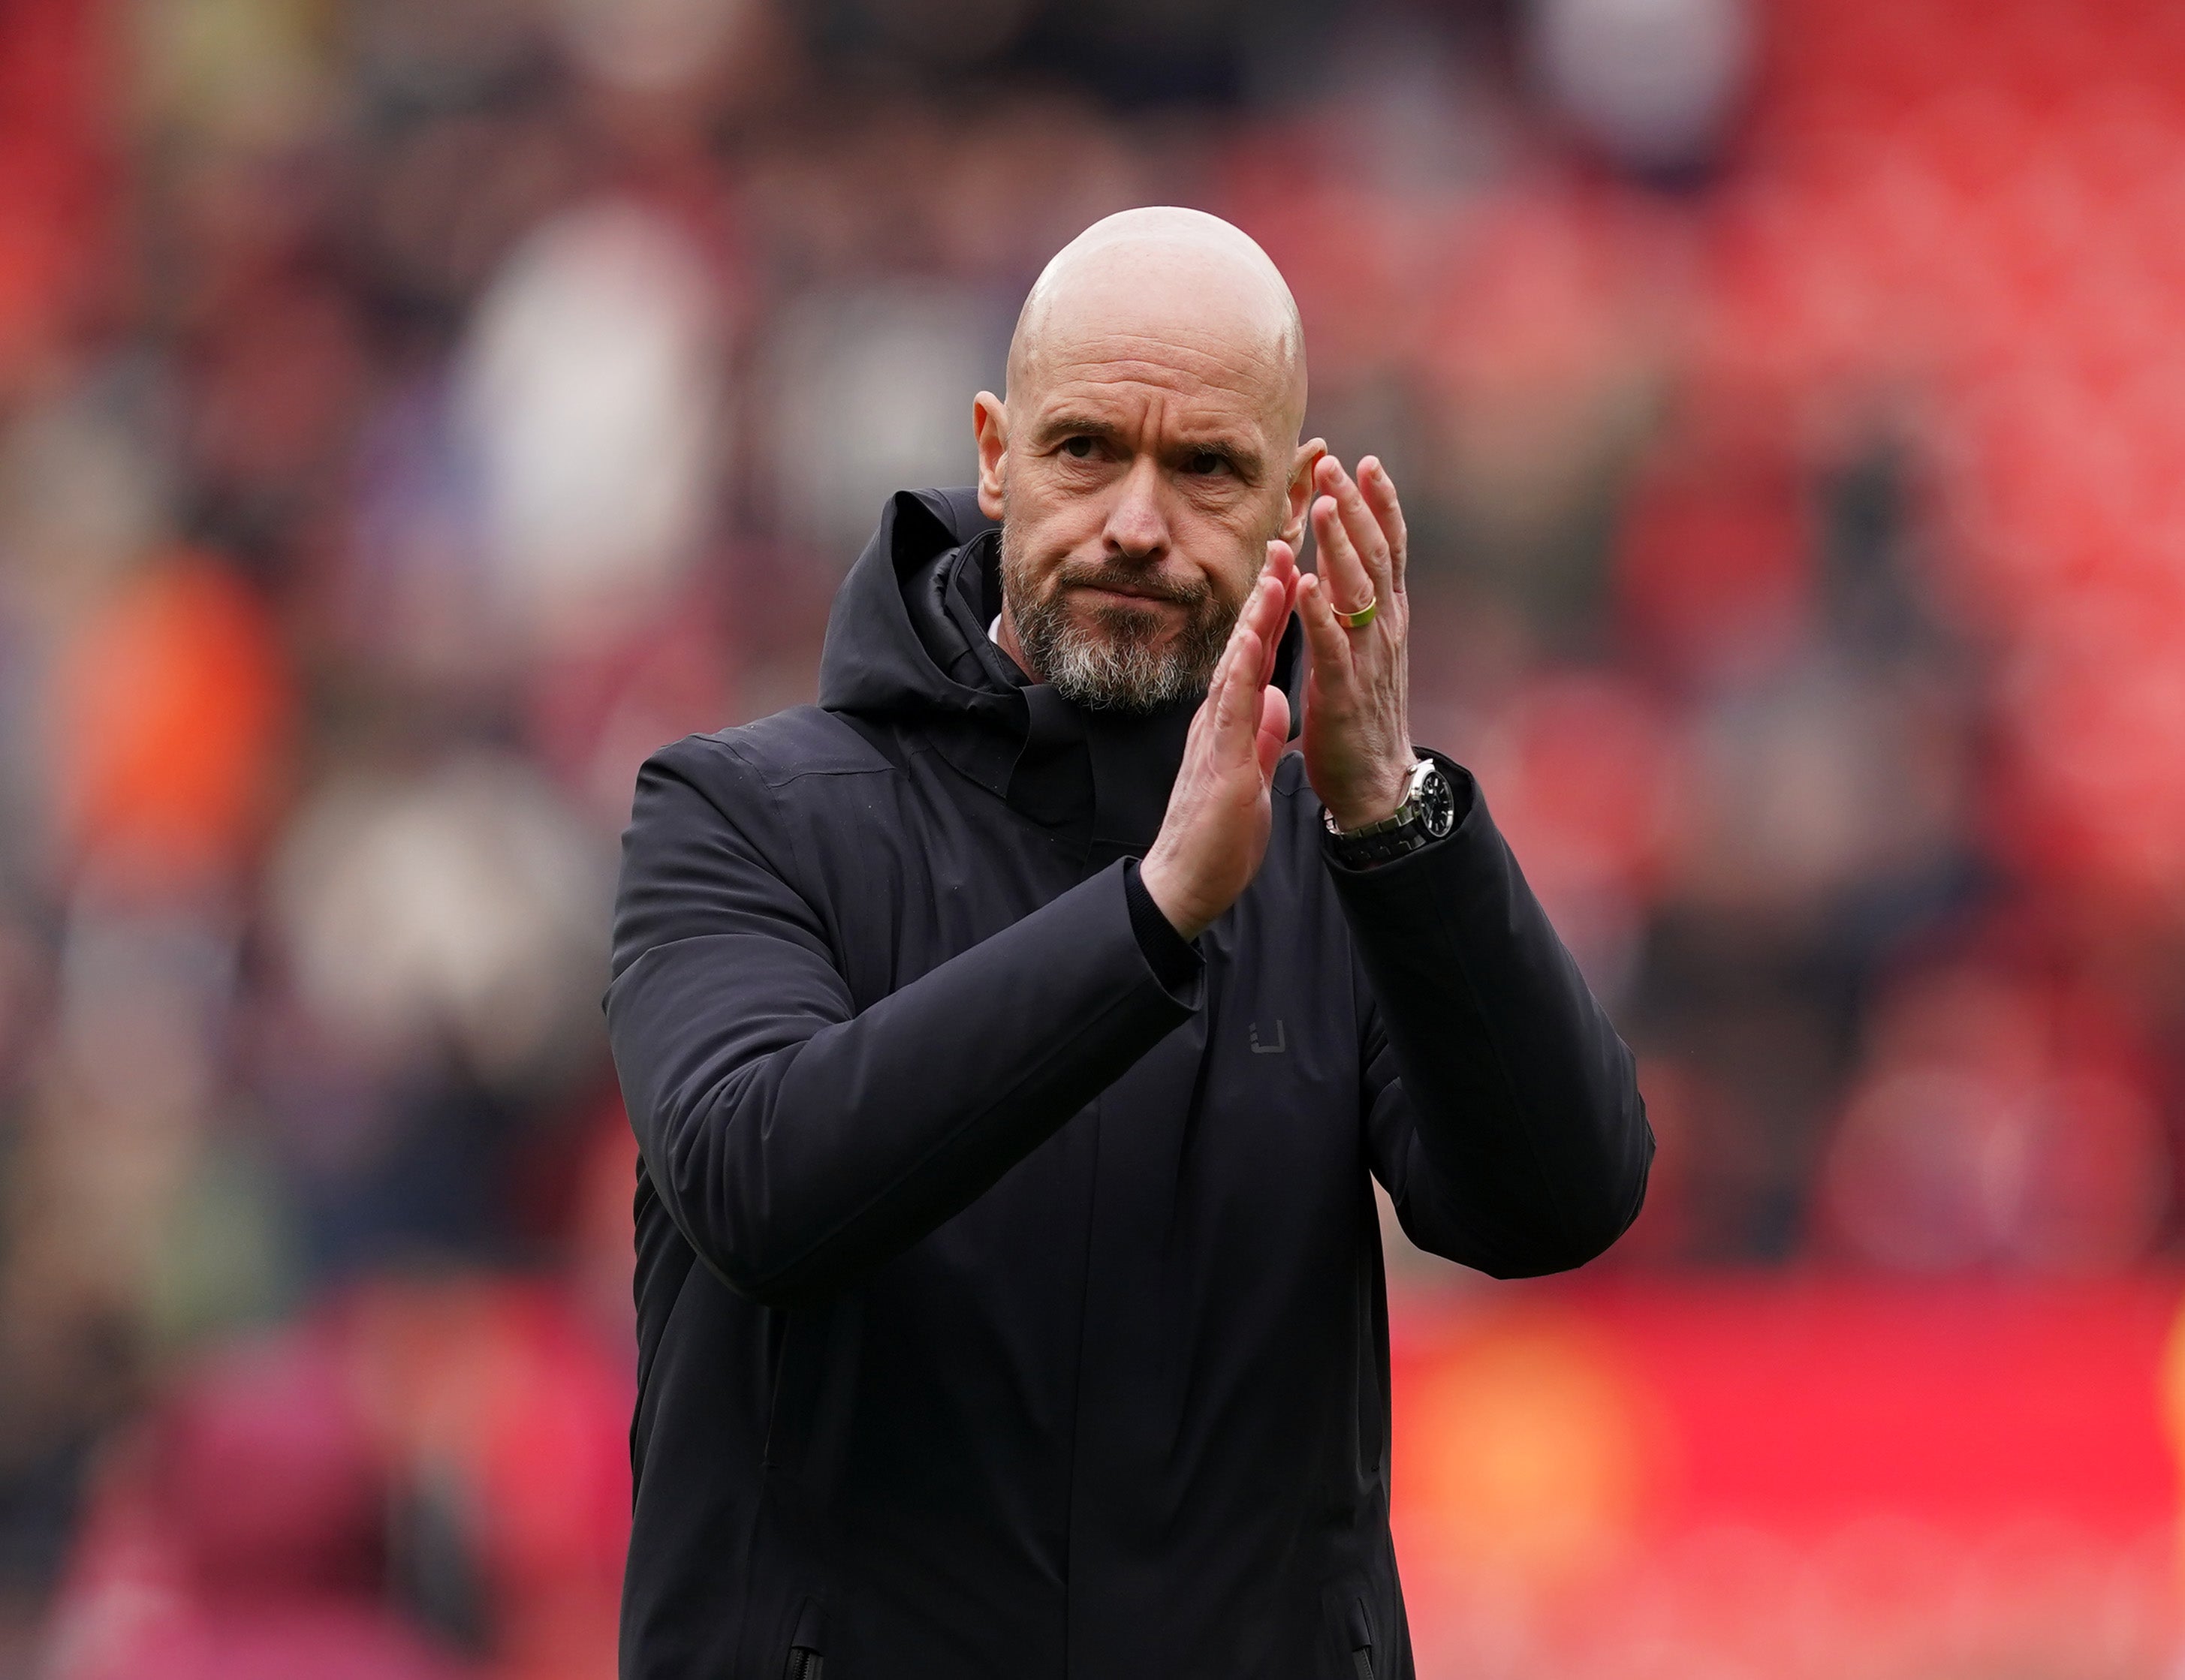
[1361, 851]
[1394, 836]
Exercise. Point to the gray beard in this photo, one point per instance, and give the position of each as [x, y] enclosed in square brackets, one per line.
[1109, 659]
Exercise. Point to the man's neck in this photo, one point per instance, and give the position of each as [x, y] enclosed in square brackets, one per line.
[1003, 635]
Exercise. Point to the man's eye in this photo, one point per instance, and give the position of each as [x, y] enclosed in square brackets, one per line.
[1080, 448]
[1206, 461]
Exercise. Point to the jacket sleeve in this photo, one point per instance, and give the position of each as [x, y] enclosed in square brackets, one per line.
[796, 1141]
[1503, 1110]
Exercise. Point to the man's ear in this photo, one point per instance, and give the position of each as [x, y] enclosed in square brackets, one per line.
[990, 424]
[1299, 491]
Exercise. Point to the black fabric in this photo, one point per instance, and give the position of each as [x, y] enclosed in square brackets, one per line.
[1009, 1298]
[1168, 953]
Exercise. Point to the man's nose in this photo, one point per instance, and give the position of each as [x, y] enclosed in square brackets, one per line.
[1137, 521]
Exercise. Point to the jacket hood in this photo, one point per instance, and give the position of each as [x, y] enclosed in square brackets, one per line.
[906, 647]
[881, 661]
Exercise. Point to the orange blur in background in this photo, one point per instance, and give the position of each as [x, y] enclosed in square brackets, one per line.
[414, 411]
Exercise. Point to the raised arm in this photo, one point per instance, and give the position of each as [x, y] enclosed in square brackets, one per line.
[1504, 1112]
[794, 1141]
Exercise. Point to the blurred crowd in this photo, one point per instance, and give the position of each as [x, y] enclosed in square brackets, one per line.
[413, 412]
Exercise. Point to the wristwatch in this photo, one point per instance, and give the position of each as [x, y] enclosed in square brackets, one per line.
[1427, 813]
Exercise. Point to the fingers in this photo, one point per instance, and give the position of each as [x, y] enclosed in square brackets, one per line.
[1220, 692]
[1282, 566]
[1264, 609]
[1237, 679]
[1381, 497]
[1367, 541]
[1274, 730]
[1211, 709]
[1325, 634]
[1340, 569]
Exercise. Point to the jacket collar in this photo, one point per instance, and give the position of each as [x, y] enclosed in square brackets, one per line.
[906, 645]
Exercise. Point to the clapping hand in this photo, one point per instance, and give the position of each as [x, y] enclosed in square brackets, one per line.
[1220, 811]
[1358, 753]
[1357, 739]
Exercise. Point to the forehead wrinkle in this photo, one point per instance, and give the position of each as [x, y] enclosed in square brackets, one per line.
[1181, 352]
[1204, 379]
[1152, 377]
[1151, 350]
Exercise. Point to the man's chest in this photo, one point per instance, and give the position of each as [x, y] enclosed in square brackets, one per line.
[910, 871]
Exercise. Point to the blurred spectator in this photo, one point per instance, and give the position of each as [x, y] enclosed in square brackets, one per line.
[589, 395]
[1654, 82]
[1999, 1120]
[170, 708]
[242, 1535]
[868, 397]
[411, 1479]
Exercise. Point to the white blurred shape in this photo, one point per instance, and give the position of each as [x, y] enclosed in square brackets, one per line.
[647, 45]
[874, 395]
[1651, 81]
[465, 906]
[589, 394]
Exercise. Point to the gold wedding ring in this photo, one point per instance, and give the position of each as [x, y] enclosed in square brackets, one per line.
[1360, 619]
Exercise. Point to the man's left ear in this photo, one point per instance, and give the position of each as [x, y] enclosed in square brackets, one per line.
[1299, 491]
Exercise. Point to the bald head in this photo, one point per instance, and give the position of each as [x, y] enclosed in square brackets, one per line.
[1179, 277]
[1145, 455]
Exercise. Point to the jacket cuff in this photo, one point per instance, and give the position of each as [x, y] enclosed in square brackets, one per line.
[1175, 963]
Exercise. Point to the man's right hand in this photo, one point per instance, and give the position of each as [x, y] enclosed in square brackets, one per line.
[1219, 814]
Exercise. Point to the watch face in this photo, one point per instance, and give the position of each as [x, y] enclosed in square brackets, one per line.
[1437, 803]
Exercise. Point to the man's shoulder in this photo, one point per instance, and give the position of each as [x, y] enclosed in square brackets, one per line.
[804, 740]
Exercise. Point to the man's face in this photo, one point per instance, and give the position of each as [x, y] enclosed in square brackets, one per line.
[1138, 475]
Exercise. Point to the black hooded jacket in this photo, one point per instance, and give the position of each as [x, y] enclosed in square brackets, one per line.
[1009, 1290]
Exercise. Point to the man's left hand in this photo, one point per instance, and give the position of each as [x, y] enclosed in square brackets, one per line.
[1357, 733]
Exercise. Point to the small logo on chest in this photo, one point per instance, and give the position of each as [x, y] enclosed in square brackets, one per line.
[1274, 1047]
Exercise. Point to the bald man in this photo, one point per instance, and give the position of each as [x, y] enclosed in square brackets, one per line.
[1013, 1039]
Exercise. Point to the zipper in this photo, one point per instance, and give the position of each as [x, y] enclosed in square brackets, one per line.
[807, 1633]
[1361, 1640]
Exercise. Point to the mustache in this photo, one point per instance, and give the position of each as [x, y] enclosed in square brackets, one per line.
[1125, 580]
